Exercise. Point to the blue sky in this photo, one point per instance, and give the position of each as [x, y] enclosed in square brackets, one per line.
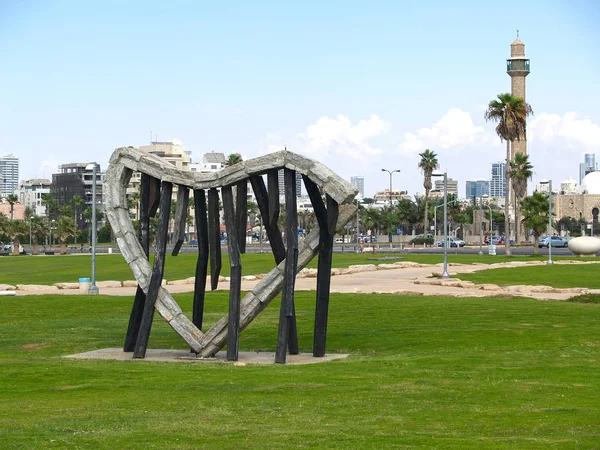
[360, 86]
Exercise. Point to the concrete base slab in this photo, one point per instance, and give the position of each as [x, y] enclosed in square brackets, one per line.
[158, 355]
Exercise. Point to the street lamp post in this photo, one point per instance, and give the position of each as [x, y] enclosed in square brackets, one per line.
[93, 289]
[391, 172]
[437, 173]
[435, 218]
[357, 222]
[30, 247]
[549, 183]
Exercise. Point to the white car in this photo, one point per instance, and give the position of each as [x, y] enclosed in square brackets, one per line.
[453, 241]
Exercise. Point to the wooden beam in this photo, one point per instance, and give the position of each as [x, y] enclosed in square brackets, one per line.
[273, 234]
[154, 196]
[241, 214]
[326, 234]
[137, 309]
[286, 313]
[273, 183]
[157, 270]
[181, 213]
[235, 283]
[202, 262]
[214, 237]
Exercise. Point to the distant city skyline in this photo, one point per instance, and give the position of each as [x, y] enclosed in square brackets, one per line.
[340, 83]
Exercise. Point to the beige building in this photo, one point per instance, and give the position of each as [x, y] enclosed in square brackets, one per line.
[580, 206]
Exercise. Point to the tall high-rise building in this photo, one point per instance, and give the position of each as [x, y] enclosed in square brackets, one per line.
[359, 183]
[498, 180]
[9, 171]
[282, 183]
[77, 179]
[451, 185]
[589, 165]
[477, 188]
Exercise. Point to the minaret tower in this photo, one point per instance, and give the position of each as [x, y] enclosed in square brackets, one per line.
[517, 66]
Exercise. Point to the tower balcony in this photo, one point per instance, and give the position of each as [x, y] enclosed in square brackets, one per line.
[517, 66]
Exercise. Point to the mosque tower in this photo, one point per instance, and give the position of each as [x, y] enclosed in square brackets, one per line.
[517, 66]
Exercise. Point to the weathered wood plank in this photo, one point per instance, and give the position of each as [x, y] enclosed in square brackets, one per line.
[214, 237]
[286, 313]
[235, 280]
[273, 184]
[273, 234]
[137, 308]
[181, 212]
[154, 196]
[324, 277]
[157, 270]
[241, 214]
[202, 262]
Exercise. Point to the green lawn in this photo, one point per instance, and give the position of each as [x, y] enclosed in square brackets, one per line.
[55, 269]
[558, 276]
[424, 372]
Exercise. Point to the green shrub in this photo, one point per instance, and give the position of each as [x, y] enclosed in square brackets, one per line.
[420, 241]
[585, 298]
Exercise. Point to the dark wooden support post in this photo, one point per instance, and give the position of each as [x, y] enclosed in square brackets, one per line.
[241, 214]
[144, 237]
[202, 263]
[235, 283]
[154, 196]
[214, 237]
[286, 314]
[327, 219]
[157, 270]
[273, 183]
[181, 213]
[262, 198]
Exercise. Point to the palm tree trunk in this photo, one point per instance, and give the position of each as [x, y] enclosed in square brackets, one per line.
[426, 218]
[507, 251]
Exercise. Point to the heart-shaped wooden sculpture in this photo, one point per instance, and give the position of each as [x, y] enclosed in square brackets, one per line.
[157, 182]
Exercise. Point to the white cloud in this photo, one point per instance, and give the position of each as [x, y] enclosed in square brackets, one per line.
[568, 131]
[47, 167]
[330, 136]
[453, 129]
[177, 141]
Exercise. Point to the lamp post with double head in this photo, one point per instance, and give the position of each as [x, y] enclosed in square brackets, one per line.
[93, 289]
[391, 172]
[437, 173]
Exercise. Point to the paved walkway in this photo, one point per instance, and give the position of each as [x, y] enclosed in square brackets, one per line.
[402, 280]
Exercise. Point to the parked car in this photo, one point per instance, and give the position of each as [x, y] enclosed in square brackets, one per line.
[496, 240]
[453, 241]
[555, 241]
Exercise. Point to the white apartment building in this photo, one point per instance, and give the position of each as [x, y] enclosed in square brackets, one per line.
[30, 195]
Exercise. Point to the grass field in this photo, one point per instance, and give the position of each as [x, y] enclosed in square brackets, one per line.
[56, 269]
[423, 373]
[558, 276]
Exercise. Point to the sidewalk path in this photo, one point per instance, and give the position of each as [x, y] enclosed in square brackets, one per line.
[404, 279]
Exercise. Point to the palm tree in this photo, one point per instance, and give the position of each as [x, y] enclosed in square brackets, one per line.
[65, 229]
[535, 215]
[521, 170]
[39, 227]
[18, 228]
[49, 203]
[427, 165]
[76, 203]
[234, 158]
[511, 114]
[12, 199]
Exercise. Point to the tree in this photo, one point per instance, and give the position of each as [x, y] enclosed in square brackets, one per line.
[511, 114]
[76, 203]
[535, 215]
[49, 203]
[18, 229]
[39, 228]
[65, 229]
[427, 165]
[521, 170]
[12, 199]
[234, 158]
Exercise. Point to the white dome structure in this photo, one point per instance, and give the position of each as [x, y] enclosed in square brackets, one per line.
[591, 183]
